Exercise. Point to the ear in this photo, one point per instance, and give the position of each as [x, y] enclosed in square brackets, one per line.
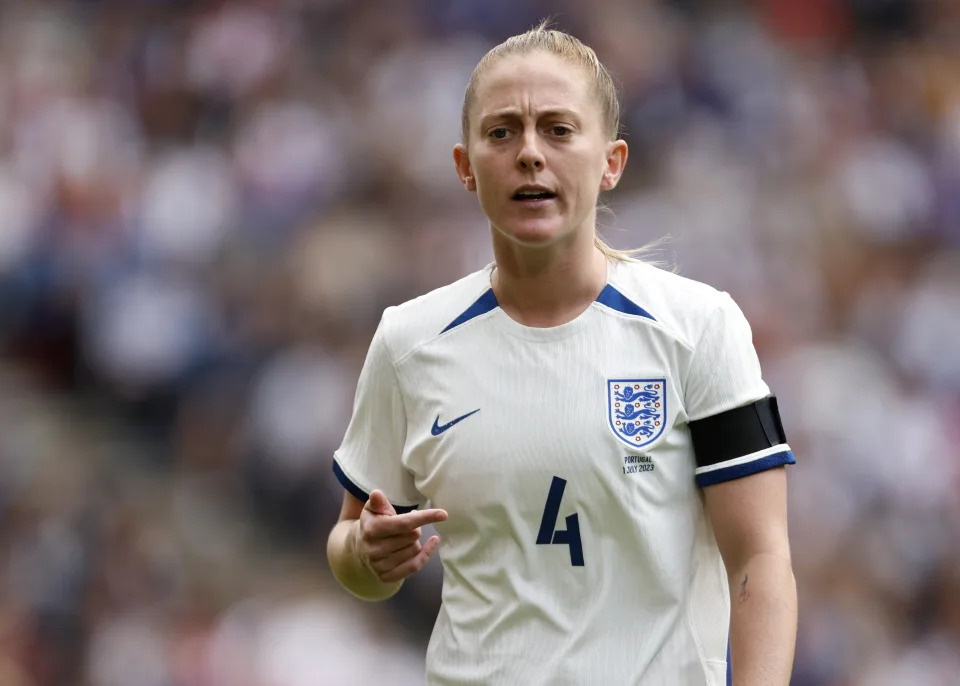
[615, 164]
[462, 160]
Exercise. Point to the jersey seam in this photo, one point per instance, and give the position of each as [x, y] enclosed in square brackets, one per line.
[646, 320]
[696, 351]
[403, 396]
[437, 336]
[679, 337]
[696, 638]
[396, 376]
[422, 344]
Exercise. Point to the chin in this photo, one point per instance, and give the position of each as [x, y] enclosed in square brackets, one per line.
[532, 234]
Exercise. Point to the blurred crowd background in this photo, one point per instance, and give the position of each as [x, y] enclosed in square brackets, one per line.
[206, 205]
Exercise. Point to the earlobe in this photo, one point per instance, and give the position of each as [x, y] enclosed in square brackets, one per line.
[462, 162]
[616, 161]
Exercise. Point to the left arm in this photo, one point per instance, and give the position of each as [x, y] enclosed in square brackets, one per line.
[749, 518]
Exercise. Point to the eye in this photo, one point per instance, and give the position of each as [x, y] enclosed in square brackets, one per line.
[499, 133]
[560, 131]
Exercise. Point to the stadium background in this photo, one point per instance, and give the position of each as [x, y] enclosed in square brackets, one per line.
[205, 206]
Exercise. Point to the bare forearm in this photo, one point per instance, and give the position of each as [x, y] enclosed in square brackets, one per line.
[352, 574]
[763, 621]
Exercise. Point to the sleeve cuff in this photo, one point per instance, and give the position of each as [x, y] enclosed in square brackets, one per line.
[739, 467]
[360, 494]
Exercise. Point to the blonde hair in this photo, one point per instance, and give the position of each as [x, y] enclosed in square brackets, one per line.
[541, 38]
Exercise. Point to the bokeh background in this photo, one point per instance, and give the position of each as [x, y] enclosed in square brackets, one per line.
[205, 206]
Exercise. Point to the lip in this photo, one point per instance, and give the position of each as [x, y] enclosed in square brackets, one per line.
[535, 204]
[536, 188]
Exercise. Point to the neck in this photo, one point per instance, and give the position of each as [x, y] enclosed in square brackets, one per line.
[551, 285]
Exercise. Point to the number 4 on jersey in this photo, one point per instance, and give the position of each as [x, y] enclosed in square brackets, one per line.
[548, 531]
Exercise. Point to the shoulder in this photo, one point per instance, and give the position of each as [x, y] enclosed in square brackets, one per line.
[408, 326]
[682, 306]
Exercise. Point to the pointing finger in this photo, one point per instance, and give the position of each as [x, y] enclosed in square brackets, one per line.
[415, 519]
[408, 523]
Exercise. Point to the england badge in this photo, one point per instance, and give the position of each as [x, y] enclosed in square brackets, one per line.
[637, 409]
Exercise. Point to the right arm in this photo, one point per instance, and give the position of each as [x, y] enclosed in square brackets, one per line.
[372, 549]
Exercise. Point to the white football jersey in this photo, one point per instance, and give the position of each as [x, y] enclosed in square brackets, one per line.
[577, 550]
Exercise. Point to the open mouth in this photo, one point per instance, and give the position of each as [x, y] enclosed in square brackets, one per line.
[534, 196]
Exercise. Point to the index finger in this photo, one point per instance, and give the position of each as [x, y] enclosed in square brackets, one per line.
[412, 520]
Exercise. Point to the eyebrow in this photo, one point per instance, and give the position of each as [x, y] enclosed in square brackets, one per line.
[516, 113]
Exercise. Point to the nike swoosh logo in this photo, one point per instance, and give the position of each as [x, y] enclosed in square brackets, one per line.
[437, 429]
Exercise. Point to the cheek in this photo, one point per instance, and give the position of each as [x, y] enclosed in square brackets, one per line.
[586, 188]
[483, 176]
[487, 197]
[585, 174]
[488, 181]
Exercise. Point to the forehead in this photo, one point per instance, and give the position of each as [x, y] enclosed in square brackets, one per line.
[537, 80]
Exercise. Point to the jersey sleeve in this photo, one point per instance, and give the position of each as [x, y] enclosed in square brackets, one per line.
[370, 455]
[724, 379]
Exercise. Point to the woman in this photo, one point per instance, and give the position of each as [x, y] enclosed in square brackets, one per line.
[603, 459]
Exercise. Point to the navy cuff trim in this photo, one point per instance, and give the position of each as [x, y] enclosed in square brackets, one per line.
[361, 494]
[741, 470]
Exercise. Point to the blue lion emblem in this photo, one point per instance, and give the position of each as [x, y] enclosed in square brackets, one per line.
[638, 430]
[630, 412]
[637, 409]
[631, 396]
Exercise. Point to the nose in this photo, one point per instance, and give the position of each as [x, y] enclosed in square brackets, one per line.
[530, 157]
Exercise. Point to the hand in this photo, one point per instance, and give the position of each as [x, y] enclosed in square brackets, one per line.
[389, 544]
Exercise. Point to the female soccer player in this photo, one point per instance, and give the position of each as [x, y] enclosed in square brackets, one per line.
[601, 455]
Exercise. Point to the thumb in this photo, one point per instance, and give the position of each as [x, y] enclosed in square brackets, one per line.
[378, 504]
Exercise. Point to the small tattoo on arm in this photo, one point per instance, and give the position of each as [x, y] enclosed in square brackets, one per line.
[744, 593]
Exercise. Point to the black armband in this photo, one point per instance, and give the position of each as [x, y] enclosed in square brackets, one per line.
[739, 442]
